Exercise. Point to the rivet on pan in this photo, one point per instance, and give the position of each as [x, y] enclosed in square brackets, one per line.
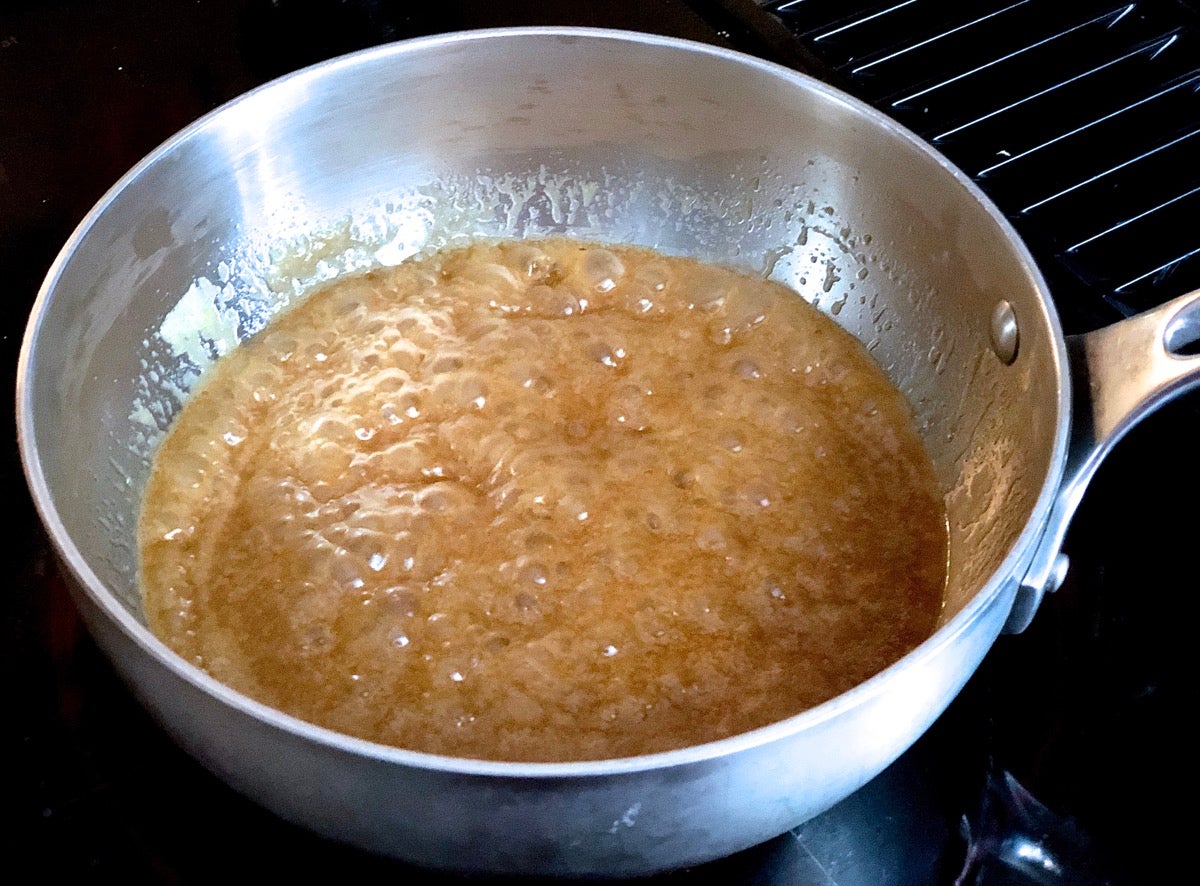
[1005, 335]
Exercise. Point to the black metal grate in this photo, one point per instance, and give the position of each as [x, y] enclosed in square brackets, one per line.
[1080, 118]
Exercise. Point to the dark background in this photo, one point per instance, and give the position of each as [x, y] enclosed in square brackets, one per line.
[1085, 709]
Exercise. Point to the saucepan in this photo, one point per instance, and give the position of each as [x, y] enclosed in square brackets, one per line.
[601, 135]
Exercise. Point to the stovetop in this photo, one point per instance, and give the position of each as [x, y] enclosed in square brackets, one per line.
[1061, 761]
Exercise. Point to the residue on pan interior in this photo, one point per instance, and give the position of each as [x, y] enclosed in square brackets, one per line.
[286, 256]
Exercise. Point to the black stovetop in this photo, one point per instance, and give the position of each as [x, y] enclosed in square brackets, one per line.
[1069, 740]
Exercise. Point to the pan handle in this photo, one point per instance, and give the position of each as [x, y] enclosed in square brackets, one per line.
[1120, 374]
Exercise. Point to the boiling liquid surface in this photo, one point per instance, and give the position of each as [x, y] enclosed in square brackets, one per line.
[544, 501]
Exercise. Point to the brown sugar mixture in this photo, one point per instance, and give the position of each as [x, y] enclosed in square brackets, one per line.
[548, 501]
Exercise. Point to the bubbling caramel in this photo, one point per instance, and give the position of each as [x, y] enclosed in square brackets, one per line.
[544, 501]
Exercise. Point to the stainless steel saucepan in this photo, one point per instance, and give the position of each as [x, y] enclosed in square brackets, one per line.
[601, 135]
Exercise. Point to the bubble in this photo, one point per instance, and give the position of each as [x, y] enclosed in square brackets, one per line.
[538, 384]
[655, 275]
[538, 540]
[402, 461]
[446, 363]
[331, 426]
[389, 380]
[436, 500]
[410, 405]
[347, 304]
[497, 276]
[602, 270]
[533, 264]
[716, 398]
[606, 354]
[316, 464]
[710, 538]
[747, 369]
[746, 308]
[630, 409]
[473, 391]
[720, 334]
[759, 496]
[624, 568]
[344, 572]
[534, 574]
[546, 301]
[628, 467]
[280, 346]
[708, 298]
[405, 355]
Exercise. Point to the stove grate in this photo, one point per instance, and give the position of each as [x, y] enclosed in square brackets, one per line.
[1079, 118]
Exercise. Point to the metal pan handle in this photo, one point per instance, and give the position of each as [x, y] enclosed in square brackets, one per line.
[1120, 374]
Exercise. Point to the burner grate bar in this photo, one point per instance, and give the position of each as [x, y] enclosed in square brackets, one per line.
[1161, 270]
[1191, 81]
[1144, 250]
[936, 37]
[1110, 171]
[1105, 143]
[1141, 215]
[1156, 49]
[861, 21]
[813, 18]
[900, 102]
[857, 37]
